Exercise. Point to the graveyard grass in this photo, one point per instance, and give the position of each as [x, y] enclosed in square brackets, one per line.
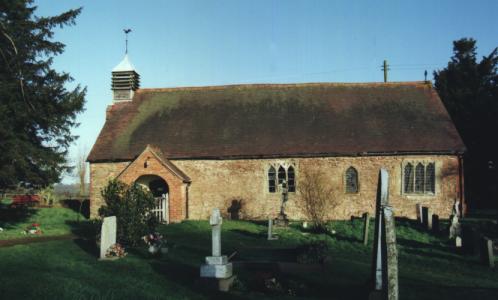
[53, 222]
[429, 268]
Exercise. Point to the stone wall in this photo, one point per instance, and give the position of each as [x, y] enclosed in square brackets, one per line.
[100, 174]
[215, 183]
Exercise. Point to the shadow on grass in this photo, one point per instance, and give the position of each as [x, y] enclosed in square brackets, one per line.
[10, 217]
[248, 234]
[88, 246]
[420, 245]
[87, 229]
[188, 277]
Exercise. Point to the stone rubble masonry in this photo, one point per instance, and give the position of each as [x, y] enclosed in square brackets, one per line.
[215, 183]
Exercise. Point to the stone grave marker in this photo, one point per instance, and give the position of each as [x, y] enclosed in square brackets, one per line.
[458, 242]
[455, 227]
[435, 223]
[107, 235]
[419, 212]
[366, 221]
[217, 266]
[429, 219]
[425, 217]
[487, 253]
[385, 258]
[271, 237]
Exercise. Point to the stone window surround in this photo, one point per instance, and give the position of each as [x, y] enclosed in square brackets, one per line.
[414, 163]
[276, 165]
[344, 181]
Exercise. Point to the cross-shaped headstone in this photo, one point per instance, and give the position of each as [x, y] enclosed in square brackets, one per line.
[215, 221]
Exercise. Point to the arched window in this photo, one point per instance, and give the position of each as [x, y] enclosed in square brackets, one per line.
[408, 177]
[430, 179]
[419, 178]
[271, 180]
[351, 180]
[281, 175]
[291, 180]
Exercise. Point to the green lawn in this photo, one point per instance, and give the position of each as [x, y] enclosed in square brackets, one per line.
[53, 221]
[429, 267]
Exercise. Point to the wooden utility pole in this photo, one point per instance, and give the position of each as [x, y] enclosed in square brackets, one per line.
[385, 68]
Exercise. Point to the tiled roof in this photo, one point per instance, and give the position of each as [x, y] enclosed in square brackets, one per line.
[279, 120]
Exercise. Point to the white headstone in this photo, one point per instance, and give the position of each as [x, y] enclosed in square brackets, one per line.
[216, 266]
[107, 235]
[215, 221]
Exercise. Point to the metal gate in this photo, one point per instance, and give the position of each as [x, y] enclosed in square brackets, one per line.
[162, 208]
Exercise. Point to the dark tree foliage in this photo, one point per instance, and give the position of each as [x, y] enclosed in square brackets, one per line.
[469, 90]
[37, 112]
[132, 206]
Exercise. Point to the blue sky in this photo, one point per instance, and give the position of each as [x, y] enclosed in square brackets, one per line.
[198, 43]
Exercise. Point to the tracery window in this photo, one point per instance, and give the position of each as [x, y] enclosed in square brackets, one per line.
[351, 180]
[278, 177]
[421, 180]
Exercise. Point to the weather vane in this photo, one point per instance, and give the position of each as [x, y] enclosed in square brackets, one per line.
[126, 31]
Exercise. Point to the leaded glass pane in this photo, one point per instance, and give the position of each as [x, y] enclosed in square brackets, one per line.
[419, 178]
[281, 175]
[408, 178]
[430, 179]
[291, 181]
[271, 179]
[351, 180]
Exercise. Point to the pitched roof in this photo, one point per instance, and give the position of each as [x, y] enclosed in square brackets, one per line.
[124, 65]
[163, 160]
[279, 120]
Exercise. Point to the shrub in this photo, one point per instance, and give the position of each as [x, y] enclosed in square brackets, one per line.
[132, 206]
[317, 198]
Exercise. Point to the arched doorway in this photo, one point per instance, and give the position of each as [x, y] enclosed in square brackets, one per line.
[160, 190]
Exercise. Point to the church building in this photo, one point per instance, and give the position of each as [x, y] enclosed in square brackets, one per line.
[204, 147]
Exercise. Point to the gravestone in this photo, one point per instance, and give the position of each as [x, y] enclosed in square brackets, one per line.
[425, 217]
[458, 242]
[282, 220]
[429, 219]
[435, 223]
[385, 258]
[455, 227]
[456, 208]
[487, 253]
[419, 212]
[107, 235]
[217, 266]
[366, 221]
[271, 237]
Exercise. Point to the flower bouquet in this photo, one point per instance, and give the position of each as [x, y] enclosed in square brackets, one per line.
[115, 251]
[33, 229]
[154, 241]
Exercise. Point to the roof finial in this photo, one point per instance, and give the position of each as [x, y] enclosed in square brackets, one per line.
[126, 31]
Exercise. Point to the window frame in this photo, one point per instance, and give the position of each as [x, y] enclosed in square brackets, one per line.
[357, 174]
[425, 163]
[277, 180]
